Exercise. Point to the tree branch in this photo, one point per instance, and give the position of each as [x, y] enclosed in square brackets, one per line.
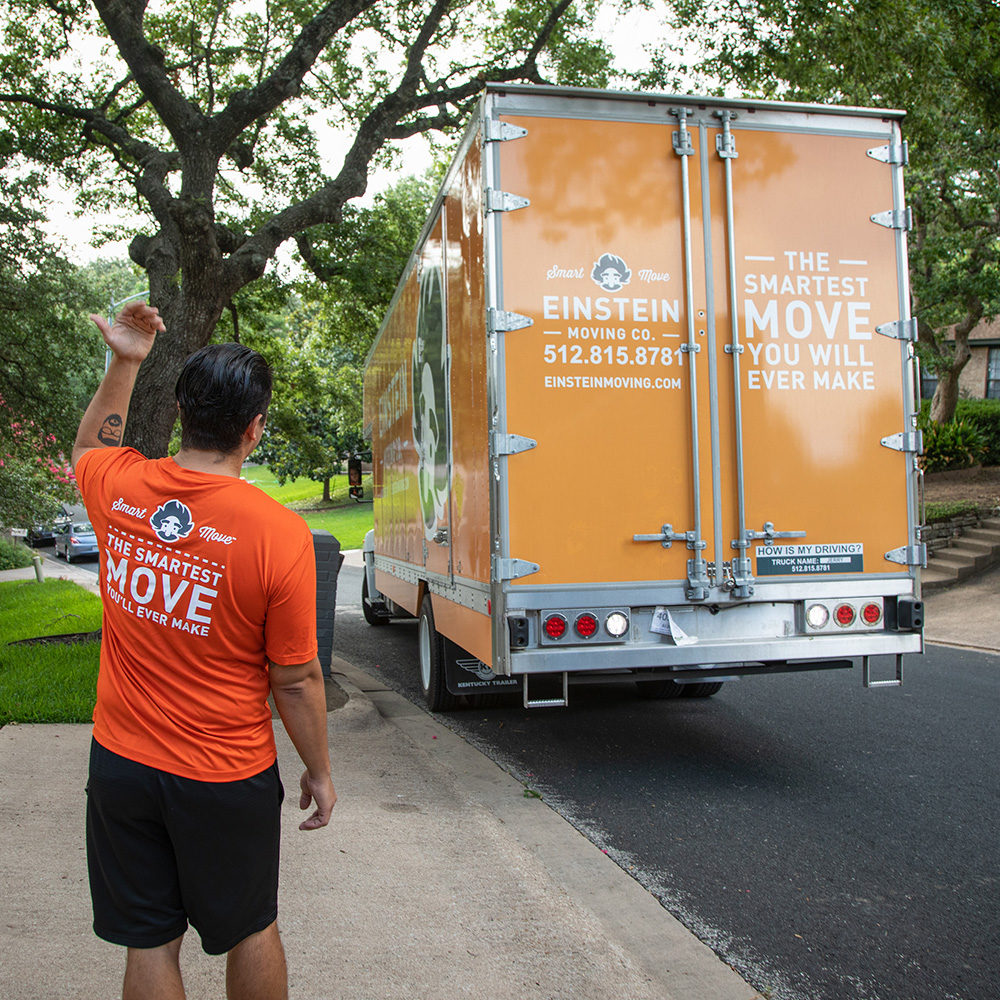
[123, 19]
[246, 106]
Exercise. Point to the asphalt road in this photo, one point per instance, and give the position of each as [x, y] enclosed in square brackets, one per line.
[827, 841]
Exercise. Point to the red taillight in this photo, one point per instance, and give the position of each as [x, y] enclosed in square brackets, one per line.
[844, 615]
[871, 614]
[555, 626]
[586, 625]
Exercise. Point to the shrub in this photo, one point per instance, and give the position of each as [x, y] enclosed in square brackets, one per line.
[984, 415]
[14, 555]
[957, 445]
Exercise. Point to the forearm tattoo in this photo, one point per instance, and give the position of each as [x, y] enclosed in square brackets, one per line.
[110, 433]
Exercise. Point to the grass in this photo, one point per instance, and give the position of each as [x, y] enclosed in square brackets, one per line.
[47, 683]
[345, 519]
[55, 607]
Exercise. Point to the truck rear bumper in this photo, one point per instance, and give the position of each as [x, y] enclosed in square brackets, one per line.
[655, 654]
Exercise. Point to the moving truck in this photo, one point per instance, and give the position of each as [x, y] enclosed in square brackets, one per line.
[643, 407]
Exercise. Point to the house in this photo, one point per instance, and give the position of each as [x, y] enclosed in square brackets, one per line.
[980, 378]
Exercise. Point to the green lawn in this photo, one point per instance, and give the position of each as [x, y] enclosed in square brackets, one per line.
[47, 683]
[345, 519]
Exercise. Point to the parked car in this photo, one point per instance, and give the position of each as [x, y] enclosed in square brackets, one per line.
[44, 533]
[74, 539]
[41, 534]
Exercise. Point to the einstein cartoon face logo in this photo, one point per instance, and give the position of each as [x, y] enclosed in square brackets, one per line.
[611, 272]
[172, 521]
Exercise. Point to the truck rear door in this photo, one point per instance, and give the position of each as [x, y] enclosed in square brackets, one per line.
[711, 403]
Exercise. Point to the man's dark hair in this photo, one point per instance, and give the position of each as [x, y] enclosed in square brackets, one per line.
[220, 390]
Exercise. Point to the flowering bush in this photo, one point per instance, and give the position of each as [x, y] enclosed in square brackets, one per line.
[35, 479]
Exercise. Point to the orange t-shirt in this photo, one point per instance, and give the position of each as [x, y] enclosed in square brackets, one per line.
[204, 579]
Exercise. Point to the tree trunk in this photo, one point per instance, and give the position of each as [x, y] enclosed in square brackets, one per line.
[326, 490]
[190, 315]
[949, 368]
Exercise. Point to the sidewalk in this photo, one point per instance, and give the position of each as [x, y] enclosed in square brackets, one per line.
[436, 879]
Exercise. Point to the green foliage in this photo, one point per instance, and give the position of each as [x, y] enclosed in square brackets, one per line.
[937, 59]
[14, 554]
[51, 357]
[955, 445]
[318, 342]
[981, 414]
[34, 478]
[945, 510]
[984, 415]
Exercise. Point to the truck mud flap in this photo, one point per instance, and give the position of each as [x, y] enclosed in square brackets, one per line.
[465, 675]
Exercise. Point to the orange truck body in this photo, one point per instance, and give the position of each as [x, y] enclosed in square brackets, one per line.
[652, 357]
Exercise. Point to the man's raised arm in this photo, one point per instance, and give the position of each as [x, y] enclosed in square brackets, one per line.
[130, 340]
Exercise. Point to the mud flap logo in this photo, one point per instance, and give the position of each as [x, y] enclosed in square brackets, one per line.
[464, 674]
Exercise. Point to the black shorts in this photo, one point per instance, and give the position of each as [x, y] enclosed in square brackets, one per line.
[164, 850]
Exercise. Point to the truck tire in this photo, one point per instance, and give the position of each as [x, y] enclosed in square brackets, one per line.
[430, 644]
[372, 616]
[703, 689]
[659, 690]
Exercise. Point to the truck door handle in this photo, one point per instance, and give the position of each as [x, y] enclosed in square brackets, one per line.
[441, 536]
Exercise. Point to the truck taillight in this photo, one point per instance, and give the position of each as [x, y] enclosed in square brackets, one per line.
[844, 615]
[817, 615]
[555, 626]
[871, 614]
[585, 625]
[616, 624]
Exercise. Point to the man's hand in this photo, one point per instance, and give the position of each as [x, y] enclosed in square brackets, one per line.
[135, 328]
[321, 790]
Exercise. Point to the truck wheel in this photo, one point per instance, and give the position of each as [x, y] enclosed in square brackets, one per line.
[372, 616]
[659, 689]
[431, 646]
[703, 689]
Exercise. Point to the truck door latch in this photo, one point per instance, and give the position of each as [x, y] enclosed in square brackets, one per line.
[767, 536]
[668, 536]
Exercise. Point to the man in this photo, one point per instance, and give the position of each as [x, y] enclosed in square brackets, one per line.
[209, 591]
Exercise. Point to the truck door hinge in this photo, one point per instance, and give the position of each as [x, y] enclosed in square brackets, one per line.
[501, 321]
[498, 131]
[504, 201]
[894, 218]
[682, 137]
[511, 569]
[511, 444]
[897, 155]
[908, 555]
[907, 441]
[725, 146]
[900, 329]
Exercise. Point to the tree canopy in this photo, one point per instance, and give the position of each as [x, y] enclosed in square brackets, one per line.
[939, 60]
[206, 117]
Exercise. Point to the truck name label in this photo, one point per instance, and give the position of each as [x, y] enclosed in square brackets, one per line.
[778, 560]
